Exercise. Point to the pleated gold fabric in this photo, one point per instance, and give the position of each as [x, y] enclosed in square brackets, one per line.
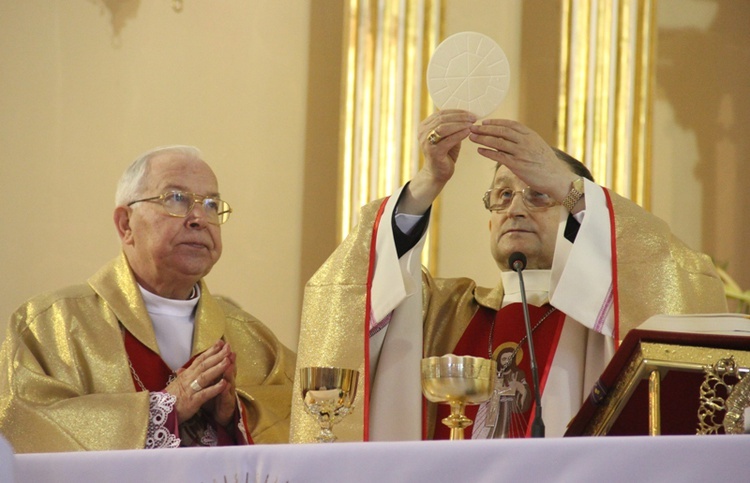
[65, 380]
[656, 273]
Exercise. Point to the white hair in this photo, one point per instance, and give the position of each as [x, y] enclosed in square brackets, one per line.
[133, 180]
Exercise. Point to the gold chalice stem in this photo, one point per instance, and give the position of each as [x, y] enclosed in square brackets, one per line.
[326, 428]
[457, 421]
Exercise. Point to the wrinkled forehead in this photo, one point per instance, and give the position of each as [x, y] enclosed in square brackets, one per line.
[505, 178]
[182, 172]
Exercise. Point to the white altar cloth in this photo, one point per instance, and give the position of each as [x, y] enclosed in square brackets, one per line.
[7, 462]
[612, 459]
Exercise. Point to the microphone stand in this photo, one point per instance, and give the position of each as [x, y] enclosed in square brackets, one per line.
[537, 425]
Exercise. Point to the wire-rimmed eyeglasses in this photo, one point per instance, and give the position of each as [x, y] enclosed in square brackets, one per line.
[180, 203]
[499, 199]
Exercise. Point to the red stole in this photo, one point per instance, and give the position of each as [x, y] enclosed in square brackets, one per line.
[147, 365]
[509, 329]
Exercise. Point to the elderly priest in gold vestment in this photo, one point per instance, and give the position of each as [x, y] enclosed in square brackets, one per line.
[142, 355]
[598, 265]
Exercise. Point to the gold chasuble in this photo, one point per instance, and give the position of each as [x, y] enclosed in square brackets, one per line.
[652, 273]
[66, 381]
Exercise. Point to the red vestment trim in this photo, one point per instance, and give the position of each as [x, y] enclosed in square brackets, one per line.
[616, 292]
[244, 419]
[147, 365]
[545, 371]
[368, 310]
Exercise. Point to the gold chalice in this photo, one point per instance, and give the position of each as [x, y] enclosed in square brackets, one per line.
[458, 381]
[328, 394]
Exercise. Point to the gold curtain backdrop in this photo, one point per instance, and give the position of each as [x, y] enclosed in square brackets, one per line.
[387, 48]
[606, 90]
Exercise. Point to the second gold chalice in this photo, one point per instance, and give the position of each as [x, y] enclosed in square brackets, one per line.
[328, 395]
[458, 381]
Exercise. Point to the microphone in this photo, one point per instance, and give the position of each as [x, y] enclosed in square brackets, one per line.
[517, 261]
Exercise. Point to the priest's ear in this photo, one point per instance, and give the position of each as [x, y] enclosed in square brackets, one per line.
[121, 218]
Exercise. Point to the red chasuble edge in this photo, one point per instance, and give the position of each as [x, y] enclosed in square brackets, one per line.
[615, 290]
[368, 309]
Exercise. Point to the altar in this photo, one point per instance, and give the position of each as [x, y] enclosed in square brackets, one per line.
[632, 458]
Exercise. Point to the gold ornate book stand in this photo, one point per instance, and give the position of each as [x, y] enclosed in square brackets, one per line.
[673, 375]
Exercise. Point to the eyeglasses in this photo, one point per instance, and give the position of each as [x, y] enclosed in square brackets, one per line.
[499, 199]
[180, 203]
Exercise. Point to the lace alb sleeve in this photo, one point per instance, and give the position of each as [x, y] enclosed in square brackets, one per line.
[159, 435]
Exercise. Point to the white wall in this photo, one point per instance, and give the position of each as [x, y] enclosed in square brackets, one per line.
[86, 87]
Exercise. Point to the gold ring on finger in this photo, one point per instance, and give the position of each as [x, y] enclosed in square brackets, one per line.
[434, 137]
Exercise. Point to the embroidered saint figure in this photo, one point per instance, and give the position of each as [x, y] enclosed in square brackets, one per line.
[504, 414]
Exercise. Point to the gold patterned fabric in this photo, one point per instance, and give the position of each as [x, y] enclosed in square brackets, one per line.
[655, 273]
[334, 325]
[65, 380]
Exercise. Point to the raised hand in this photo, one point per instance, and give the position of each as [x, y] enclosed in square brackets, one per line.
[440, 137]
[525, 153]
